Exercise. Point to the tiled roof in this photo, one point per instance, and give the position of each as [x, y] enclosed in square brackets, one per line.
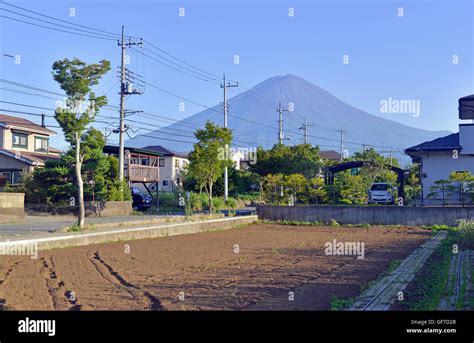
[165, 151]
[23, 123]
[449, 142]
[31, 158]
[330, 155]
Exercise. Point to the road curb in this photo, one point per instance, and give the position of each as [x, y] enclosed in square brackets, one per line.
[113, 235]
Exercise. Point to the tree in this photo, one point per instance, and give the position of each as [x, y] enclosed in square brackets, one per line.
[297, 159]
[317, 193]
[465, 181]
[210, 157]
[440, 186]
[76, 79]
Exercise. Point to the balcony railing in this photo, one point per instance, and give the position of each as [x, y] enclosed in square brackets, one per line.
[140, 173]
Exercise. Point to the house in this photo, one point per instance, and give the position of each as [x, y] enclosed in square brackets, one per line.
[140, 166]
[24, 146]
[442, 156]
[172, 165]
[330, 155]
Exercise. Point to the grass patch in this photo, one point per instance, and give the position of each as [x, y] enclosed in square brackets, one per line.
[338, 304]
[431, 282]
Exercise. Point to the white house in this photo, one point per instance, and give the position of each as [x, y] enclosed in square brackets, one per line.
[442, 156]
[171, 165]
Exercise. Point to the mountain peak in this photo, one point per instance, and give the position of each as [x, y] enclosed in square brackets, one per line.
[308, 101]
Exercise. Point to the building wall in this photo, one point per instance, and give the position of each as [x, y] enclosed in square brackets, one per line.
[438, 166]
[171, 173]
[6, 137]
[11, 163]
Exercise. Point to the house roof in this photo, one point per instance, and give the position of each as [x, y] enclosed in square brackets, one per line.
[466, 107]
[449, 142]
[330, 155]
[113, 149]
[165, 151]
[18, 122]
[30, 158]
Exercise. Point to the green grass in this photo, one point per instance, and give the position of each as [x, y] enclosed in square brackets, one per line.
[338, 304]
[432, 280]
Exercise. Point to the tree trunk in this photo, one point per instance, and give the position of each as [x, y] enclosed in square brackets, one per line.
[210, 197]
[80, 186]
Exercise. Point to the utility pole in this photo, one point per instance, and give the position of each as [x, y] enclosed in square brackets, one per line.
[125, 90]
[342, 143]
[305, 130]
[225, 85]
[280, 111]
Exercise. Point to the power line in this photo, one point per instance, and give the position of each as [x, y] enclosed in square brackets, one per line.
[55, 29]
[64, 21]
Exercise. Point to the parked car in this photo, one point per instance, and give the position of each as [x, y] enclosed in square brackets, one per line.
[141, 201]
[381, 193]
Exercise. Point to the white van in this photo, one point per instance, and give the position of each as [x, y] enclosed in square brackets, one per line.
[381, 193]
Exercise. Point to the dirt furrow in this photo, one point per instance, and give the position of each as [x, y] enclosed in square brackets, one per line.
[111, 275]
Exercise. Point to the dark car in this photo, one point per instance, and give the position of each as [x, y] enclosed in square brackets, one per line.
[141, 201]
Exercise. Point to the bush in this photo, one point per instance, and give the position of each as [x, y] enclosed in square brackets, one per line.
[334, 223]
[217, 203]
[232, 203]
[196, 202]
[204, 200]
[169, 199]
[466, 230]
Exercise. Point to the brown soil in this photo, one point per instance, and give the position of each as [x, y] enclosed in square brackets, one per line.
[203, 271]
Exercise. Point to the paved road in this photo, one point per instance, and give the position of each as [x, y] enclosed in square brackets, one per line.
[40, 224]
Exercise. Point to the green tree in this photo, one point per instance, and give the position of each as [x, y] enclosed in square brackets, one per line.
[440, 187]
[76, 79]
[464, 181]
[297, 159]
[317, 192]
[209, 158]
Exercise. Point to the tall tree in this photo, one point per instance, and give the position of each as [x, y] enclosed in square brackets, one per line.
[76, 79]
[209, 157]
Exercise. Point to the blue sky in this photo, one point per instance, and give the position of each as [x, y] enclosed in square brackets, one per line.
[407, 57]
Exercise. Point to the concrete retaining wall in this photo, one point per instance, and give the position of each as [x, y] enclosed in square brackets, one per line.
[112, 235]
[385, 215]
[12, 207]
[108, 208]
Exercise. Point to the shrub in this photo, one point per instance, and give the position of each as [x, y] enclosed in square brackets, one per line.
[196, 202]
[217, 203]
[466, 230]
[204, 200]
[334, 223]
[232, 203]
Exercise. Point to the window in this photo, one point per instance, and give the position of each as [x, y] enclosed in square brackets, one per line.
[20, 140]
[176, 163]
[41, 144]
[162, 162]
[165, 183]
[16, 177]
[145, 162]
